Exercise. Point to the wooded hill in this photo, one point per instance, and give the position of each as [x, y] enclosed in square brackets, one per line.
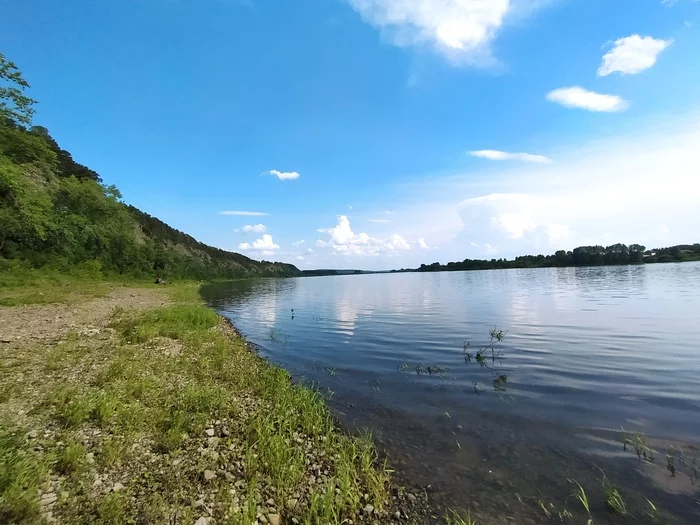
[57, 213]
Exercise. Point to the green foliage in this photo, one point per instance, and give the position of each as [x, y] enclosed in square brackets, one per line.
[15, 106]
[56, 213]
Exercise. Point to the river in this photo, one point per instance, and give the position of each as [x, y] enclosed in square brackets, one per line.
[584, 353]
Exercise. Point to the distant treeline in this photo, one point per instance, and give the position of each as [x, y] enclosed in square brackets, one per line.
[57, 213]
[615, 254]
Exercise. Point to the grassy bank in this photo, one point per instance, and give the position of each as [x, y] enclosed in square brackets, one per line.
[143, 406]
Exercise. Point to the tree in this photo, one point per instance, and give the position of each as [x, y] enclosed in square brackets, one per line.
[15, 106]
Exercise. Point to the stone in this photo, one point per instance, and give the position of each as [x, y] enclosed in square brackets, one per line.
[292, 503]
[273, 519]
[397, 514]
[412, 498]
[369, 509]
[48, 499]
[198, 503]
[117, 487]
[202, 521]
[209, 432]
[33, 434]
[176, 462]
[209, 475]
[90, 458]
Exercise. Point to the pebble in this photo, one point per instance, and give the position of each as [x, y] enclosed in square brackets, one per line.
[117, 487]
[209, 432]
[33, 434]
[202, 521]
[369, 509]
[292, 502]
[198, 503]
[411, 498]
[48, 499]
[273, 519]
[397, 514]
[176, 462]
[209, 475]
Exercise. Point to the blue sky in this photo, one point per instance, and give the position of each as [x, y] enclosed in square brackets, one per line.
[382, 133]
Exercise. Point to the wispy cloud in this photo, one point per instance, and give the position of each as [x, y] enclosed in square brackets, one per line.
[492, 154]
[462, 30]
[283, 175]
[380, 221]
[244, 213]
[264, 244]
[632, 54]
[578, 97]
[298, 243]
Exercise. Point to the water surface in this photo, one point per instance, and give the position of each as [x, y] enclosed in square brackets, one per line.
[586, 351]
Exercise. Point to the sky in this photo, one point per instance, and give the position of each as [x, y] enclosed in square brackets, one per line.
[379, 134]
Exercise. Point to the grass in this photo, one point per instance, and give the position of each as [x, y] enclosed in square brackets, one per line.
[20, 285]
[21, 473]
[455, 518]
[135, 410]
[613, 500]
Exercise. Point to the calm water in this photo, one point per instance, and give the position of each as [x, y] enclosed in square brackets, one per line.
[587, 350]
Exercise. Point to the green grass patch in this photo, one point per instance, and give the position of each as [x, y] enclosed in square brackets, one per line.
[175, 322]
[21, 473]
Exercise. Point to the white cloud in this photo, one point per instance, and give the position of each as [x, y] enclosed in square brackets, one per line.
[577, 97]
[396, 242]
[244, 213]
[632, 54]
[462, 30]
[349, 207]
[254, 228]
[298, 243]
[616, 190]
[284, 175]
[423, 244]
[265, 244]
[344, 241]
[379, 221]
[299, 257]
[493, 154]
[669, 3]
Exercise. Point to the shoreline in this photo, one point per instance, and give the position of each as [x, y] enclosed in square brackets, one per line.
[145, 405]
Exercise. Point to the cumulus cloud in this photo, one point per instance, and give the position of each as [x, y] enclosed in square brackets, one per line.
[254, 228]
[298, 243]
[423, 244]
[299, 257]
[493, 154]
[284, 175]
[344, 241]
[244, 213]
[578, 97]
[264, 244]
[631, 55]
[462, 30]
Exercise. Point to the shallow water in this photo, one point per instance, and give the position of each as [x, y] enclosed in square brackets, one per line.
[586, 351]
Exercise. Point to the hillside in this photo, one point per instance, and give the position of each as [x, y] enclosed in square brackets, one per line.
[55, 212]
